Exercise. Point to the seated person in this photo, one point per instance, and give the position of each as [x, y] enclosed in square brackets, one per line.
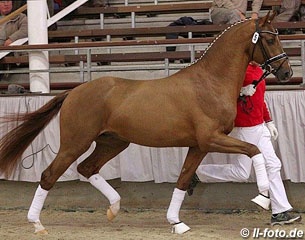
[288, 9]
[231, 11]
[13, 29]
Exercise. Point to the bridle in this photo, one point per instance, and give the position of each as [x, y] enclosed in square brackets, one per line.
[257, 38]
[266, 66]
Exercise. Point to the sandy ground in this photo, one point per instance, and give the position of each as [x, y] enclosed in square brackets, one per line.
[139, 224]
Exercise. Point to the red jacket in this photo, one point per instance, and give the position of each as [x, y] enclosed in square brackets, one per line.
[253, 110]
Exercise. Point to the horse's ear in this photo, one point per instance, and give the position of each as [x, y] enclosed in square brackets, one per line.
[268, 18]
[265, 19]
[272, 16]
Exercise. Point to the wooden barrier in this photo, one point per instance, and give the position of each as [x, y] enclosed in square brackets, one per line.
[145, 9]
[153, 31]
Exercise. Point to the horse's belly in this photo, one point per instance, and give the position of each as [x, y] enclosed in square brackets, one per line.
[156, 133]
[152, 140]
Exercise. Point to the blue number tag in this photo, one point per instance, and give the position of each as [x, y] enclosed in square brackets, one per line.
[255, 37]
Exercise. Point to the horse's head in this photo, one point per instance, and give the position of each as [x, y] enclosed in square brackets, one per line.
[268, 50]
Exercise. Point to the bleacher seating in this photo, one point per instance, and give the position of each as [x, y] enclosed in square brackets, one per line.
[152, 31]
[155, 35]
[140, 14]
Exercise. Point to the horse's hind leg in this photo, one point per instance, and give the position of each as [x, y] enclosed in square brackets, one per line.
[192, 161]
[65, 157]
[226, 144]
[107, 147]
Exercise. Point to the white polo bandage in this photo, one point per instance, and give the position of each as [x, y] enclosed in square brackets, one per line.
[105, 188]
[37, 204]
[175, 205]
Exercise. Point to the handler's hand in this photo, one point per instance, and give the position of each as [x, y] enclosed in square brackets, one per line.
[254, 16]
[248, 90]
[272, 129]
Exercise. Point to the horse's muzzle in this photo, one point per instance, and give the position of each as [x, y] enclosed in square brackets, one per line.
[284, 74]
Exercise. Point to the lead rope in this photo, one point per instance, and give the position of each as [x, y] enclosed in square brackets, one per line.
[264, 75]
[244, 100]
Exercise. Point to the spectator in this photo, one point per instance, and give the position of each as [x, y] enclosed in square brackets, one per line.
[231, 11]
[289, 9]
[13, 29]
[253, 124]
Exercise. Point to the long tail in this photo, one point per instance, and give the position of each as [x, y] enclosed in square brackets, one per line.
[15, 142]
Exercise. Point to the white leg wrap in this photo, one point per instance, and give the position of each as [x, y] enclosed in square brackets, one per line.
[175, 205]
[261, 173]
[37, 204]
[105, 188]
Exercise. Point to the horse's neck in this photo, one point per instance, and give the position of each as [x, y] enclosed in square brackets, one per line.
[228, 57]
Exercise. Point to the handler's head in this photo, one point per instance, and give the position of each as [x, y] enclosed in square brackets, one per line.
[6, 7]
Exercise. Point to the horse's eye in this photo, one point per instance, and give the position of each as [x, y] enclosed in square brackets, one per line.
[270, 41]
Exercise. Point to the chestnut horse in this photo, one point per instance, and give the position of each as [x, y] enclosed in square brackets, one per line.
[193, 108]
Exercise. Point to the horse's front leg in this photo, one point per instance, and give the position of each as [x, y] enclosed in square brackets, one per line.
[190, 165]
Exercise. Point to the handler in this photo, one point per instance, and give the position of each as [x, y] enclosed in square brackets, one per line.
[253, 124]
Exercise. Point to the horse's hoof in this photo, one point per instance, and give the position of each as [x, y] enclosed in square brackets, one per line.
[110, 215]
[39, 228]
[262, 201]
[42, 232]
[113, 210]
[180, 228]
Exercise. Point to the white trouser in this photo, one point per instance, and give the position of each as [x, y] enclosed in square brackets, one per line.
[240, 166]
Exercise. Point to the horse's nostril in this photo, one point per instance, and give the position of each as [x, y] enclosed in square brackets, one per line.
[288, 75]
